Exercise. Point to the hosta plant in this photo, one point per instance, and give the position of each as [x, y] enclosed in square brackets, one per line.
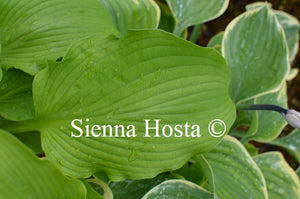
[108, 99]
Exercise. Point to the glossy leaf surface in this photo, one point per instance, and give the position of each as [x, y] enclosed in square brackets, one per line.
[145, 75]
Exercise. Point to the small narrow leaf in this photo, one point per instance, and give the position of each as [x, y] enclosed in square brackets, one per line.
[282, 181]
[133, 14]
[255, 49]
[23, 175]
[235, 174]
[171, 189]
[192, 12]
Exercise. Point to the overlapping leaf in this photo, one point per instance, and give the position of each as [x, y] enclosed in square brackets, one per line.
[178, 189]
[145, 75]
[132, 189]
[282, 181]
[16, 96]
[270, 124]
[23, 175]
[256, 52]
[216, 41]
[234, 173]
[167, 20]
[291, 28]
[191, 12]
[290, 143]
[33, 31]
[290, 25]
[133, 14]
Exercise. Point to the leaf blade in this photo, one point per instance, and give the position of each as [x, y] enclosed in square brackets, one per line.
[143, 76]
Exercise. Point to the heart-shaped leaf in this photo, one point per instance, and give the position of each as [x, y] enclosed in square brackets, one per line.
[171, 189]
[23, 175]
[33, 31]
[255, 49]
[192, 12]
[146, 75]
[230, 162]
[133, 14]
[282, 181]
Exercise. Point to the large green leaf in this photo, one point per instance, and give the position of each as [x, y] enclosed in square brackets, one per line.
[171, 189]
[234, 173]
[282, 181]
[192, 12]
[270, 124]
[23, 175]
[16, 96]
[33, 31]
[290, 143]
[144, 75]
[255, 49]
[133, 14]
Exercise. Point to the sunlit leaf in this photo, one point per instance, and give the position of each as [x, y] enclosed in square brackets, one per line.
[234, 173]
[33, 31]
[23, 175]
[282, 181]
[255, 49]
[192, 12]
[171, 189]
[144, 75]
[133, 14]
